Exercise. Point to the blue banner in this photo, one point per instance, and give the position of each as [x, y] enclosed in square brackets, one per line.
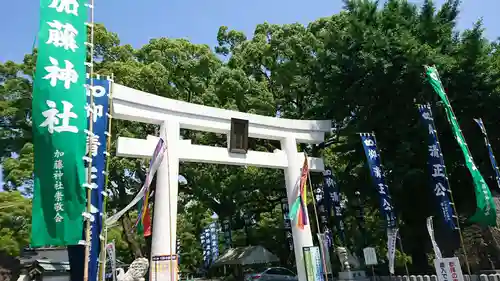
[214, 241]
[226, 228]
[178, 251]
[323, 212]
[206, 246]
[332, 201]
[378, 177]
[437, 169]
[287, 223]
[359, 209]
[320, 205]
[493, 162]
[98, 141]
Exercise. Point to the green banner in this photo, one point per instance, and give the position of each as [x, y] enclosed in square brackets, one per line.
[59, 121]
[486, 212]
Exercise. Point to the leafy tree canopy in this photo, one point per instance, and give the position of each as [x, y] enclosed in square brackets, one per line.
[361, 68]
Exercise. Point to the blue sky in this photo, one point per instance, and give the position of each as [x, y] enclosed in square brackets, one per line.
[197, 20]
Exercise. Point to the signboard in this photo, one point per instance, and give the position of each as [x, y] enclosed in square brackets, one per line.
[448, 269]
[163, 264]
[313, 264]
[370, 256]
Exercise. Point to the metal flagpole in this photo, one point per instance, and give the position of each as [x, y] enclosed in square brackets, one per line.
[494, 165]
[316, 216]
[400, 240]
[460, 234]
[90, 138]
[104, 229]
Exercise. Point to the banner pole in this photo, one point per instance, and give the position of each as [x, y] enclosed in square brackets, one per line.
[323, 259]
[90, 138]
[494, 165]
[403, 251]
[399, 232]
[104, 230]
[460, 234]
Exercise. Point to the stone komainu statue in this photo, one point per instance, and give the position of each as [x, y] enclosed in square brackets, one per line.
[347, 259]
[136, 271]
[10, 267]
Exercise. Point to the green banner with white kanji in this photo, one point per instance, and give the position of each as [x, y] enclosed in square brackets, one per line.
[59, 121]
[485, 206]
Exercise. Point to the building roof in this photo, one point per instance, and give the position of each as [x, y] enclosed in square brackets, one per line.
[49, 265]
[246, 256]
[46, 255]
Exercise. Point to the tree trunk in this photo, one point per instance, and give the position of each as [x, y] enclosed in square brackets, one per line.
[134, 246]
[490, 235]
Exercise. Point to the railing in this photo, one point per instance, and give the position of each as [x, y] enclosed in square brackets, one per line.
[481, 277]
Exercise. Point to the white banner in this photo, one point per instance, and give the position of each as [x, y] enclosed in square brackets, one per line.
[448, 269]
[323, 246]
[155, 163]
[111, 258]
[392, 236]
[430, 229]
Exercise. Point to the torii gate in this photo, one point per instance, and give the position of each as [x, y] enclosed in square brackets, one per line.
[172, 115]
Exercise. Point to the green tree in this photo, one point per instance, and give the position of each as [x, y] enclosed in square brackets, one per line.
[374, 80]
[15, 222]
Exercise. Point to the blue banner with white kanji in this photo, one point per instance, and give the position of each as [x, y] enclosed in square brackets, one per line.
[226, 229]
[178, 251]
[206, 246]
[214, 241]
[378, 177]
[97, 139]
[287, 223]
[332, 200]
[359, 211]
[493, 161]
[437, 169]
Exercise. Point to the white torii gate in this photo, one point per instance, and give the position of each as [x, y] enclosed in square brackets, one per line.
[172, 115]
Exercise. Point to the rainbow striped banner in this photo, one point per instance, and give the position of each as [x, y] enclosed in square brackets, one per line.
[298, 212]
